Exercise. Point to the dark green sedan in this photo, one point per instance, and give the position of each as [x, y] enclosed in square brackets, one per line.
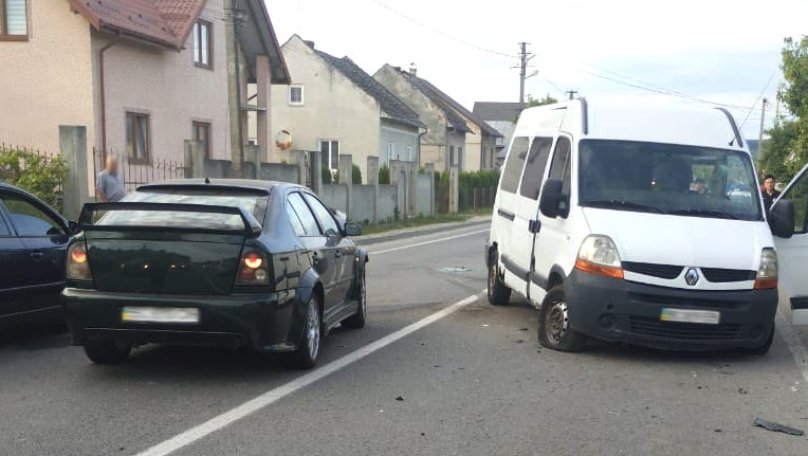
[234, 263]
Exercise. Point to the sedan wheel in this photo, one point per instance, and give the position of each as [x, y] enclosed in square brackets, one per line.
[359, 319]
[305, 356]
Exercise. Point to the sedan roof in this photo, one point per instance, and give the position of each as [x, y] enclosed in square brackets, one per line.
[247, 184]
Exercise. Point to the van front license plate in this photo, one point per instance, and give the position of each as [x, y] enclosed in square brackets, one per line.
[705, 317]
[160, 315]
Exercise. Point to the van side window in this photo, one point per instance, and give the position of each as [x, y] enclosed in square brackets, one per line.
[513, 165]
[560, 169]
[534, 170]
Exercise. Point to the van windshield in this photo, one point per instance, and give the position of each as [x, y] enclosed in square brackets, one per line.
[668, 179]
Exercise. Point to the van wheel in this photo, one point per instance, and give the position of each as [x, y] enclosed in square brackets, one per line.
[498, 293]
[107, 352]
[764, 349]
[554, 330]
[305, 357]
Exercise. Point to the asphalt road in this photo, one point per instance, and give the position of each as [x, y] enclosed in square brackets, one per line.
[472, 382]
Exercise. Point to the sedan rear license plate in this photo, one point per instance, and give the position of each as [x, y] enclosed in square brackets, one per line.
[705, 317]
[160, 315]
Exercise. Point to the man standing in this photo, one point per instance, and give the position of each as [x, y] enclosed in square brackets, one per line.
[769, 193]
[109, 185]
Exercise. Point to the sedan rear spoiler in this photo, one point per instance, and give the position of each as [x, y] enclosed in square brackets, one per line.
[251, 226]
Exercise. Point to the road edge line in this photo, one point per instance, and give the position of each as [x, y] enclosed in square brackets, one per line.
[431, 241]
[239, 412]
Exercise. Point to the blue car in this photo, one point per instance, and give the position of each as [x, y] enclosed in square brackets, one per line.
[33, 242]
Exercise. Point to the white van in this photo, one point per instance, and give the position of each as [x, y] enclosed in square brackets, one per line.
[642, 223]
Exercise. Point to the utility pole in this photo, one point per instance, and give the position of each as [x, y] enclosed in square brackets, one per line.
[762, 120]
[524, 57]
[571, 93]
[777, 105]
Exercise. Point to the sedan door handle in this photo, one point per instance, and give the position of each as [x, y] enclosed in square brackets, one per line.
[37, 256]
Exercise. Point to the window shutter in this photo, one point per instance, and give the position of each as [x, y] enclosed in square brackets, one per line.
[16, 21]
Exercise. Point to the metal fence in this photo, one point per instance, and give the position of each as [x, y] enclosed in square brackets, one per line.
[36, 171]
[476, 198]
[137, 173]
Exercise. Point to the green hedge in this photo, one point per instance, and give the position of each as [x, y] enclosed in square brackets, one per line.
[38, 174]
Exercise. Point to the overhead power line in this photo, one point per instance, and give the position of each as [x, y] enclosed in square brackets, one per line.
[762, 92]
[441, 32]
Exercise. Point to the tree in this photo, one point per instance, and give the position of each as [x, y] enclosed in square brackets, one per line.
[785, 153]
[532, 102]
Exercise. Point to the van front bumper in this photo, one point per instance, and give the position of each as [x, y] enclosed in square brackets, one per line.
[265, 322]
[619, 311]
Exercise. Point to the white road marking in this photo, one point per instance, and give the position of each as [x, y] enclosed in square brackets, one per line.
[433, 241]
[225, 419]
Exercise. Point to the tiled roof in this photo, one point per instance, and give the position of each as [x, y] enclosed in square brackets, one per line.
[450, 106]
[165, 22]
[389, 103]
[497, 110]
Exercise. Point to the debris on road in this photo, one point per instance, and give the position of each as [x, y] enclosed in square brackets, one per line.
[523, 329]
[484, 325]
[776, 427]
[520, 341]
[743, 391]
[400, 399]
[454, 269]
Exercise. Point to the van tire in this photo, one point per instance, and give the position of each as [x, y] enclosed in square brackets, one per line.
[554, 330]
[498, 293]
[107, 352]
[763, 350]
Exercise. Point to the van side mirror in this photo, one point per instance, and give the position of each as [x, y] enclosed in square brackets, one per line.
[550, 198]
[781, 219]
[353, 229]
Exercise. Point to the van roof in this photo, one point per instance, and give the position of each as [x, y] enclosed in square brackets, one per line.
[635, 119]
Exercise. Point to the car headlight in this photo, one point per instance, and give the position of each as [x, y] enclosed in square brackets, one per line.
[598, 255]
[767, 271]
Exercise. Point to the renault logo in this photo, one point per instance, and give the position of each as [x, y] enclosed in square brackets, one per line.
[692, 276]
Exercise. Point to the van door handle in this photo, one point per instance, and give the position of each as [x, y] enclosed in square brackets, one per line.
[508, 215]
[37, 256]
[534, 226]
[338, 253]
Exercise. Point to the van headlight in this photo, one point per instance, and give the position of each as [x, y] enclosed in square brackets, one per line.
[598, 255]
[767, 271]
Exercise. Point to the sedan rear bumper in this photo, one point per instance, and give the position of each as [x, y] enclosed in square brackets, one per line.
[265, 322]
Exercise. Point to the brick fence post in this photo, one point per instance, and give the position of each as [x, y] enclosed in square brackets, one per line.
[373, 179]
[345, 169]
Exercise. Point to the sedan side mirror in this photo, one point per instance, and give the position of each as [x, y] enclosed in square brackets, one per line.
[72, 227]
[550, 198]
[781, 219]
[353, 229]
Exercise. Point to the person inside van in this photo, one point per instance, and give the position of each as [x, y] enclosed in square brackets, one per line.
[699, 186]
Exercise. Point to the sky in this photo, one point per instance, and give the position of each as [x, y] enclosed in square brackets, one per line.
[706, 51]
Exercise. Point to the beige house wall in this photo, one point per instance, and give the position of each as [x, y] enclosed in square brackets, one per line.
[46, 81]
[166, 85]
[334, 108]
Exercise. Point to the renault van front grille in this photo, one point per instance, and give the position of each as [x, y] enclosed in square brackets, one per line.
[654, 327]
[662, 271]
[717, 275]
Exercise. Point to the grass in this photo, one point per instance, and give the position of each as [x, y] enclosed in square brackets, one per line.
[421, 220]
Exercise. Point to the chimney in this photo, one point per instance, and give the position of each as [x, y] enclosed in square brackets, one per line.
[309, 43]
[413, 69]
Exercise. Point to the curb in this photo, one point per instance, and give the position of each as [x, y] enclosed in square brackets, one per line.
[421, 231]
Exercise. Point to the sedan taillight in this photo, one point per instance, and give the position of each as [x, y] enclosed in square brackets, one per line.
[78, 268]
[253, 269]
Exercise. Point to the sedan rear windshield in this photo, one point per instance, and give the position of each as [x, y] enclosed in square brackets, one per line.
[668, 179]
[252, 202]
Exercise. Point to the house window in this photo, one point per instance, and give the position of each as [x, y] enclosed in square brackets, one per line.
[459, 157]
[201, 133]
[202, 44]
[451, 156]
[329, 154]
[13, 19]
[410, 156]
[137, 138]
[391, 152]
[296, 95]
